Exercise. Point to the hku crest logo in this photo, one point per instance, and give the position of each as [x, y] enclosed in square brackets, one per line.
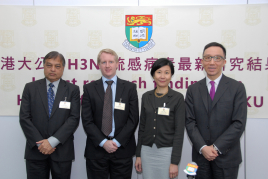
[29, 17]
[73, 17]
[139, 29]
[8, 82]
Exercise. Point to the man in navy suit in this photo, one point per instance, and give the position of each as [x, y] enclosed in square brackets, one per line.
[110, 128]
[49, 115]
[216, 113]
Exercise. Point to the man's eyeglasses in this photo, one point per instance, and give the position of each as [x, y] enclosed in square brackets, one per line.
[216, 58]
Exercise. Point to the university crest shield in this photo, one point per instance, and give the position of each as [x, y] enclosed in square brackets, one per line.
[139, 29]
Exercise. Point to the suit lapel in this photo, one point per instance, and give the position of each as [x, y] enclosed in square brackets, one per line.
[42, 88]
[223, 85]
[119, 89]
[100, 89]
[120, 86]
[60, 92]
[204, 92]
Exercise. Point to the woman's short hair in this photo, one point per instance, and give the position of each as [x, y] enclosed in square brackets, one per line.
[160, 63]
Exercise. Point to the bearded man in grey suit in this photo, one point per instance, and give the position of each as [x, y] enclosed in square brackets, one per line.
[49, 115]
[216, 113]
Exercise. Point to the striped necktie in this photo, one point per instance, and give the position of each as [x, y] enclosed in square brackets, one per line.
[50, 98]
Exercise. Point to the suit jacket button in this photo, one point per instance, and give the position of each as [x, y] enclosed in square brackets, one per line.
[208, 127]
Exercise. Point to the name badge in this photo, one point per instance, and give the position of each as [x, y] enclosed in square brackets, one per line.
[65, 105]
[119, 105]
[163, 111]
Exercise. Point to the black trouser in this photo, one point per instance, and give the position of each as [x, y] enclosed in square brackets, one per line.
[117, 168]
[40, 169]
[210, 170]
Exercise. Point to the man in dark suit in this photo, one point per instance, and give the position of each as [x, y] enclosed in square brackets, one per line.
[216, 113]
[49, 115]
[110, 116]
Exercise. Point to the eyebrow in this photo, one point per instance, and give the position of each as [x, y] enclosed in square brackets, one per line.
[52, 64]
[212, 55]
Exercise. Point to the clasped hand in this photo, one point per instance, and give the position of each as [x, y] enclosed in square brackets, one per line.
[110, 146]
[45, 147]
[209, 153]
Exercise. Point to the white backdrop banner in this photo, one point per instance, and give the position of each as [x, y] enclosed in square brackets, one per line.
[139, 35]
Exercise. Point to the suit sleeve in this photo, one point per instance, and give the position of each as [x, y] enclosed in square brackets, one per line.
[179, 131]
[239, 116]
[133, 119]
[70, 125]
[93, 132]
[190, 122]
[30, 131]
[141, 127]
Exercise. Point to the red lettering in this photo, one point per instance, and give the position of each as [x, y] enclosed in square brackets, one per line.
[92, 62]
[86, 81]
[70, 64]
[247, 101]
[255, 102]
[74, 81]
[84, 64]
[19, 99]
[140, 82]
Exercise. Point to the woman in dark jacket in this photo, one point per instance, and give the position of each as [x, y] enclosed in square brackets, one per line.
[161, 127]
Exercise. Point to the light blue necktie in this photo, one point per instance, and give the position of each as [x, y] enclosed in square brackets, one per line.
[50, 98]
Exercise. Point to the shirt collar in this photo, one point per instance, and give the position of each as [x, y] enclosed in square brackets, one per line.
[217, 81]
[55, 83]
[113, 78]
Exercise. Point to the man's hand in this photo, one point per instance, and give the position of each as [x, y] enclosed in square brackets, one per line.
[45, 147]
[173, 171]
[138, 164]
[110, 146]
[51, 151]
[209, 153]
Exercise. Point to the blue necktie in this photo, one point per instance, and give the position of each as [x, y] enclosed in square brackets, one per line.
[50, 98]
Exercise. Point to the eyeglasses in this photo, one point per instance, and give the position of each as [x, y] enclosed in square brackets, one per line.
[216, 58]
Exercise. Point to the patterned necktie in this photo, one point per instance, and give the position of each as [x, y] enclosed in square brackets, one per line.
[50, 98]
[107, 114]
[212, 90]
